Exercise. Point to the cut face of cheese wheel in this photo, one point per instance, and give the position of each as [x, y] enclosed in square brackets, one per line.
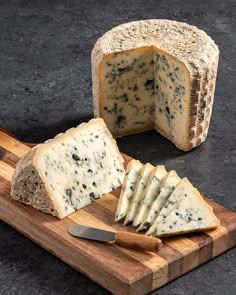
[139, 192]
[127, 192]
[172, 97]
[67, 173]
[192, 214]
[183, 188]
[150, 193]
[128, 97]
[167, 186]
[155, 74]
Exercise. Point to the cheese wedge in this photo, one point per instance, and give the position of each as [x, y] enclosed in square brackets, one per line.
[150, 193]
[127, 192]
[139, 192]
[183, 188]
[166, 188]
[156, 74]
[67, 173]
[192, 214]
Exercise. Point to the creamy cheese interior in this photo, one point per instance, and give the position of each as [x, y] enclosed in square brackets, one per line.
[139, 192]
[74, 167]
[166, 188]
[191, 214]
[127, 91]
[142, 89]
[172, 95]
[131, 177]
[150, 193]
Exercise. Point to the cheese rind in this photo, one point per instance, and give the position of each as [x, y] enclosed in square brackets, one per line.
[158, 73]
[67, 173]
[167, 186]
[127, 192]
[192, 214]
[150, 193]
[138, 193]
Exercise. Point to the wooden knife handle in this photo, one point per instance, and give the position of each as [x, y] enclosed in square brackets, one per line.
[138, 241]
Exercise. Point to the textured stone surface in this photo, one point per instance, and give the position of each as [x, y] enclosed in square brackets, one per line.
[45, 88]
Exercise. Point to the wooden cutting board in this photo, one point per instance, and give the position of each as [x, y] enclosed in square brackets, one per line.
[118, 269]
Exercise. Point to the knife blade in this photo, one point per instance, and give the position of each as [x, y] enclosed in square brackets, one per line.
[126, 239]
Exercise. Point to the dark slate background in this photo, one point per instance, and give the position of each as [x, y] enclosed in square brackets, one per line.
[45, 88]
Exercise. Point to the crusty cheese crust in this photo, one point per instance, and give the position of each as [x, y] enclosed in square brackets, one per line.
[188, 44]
[27, 186]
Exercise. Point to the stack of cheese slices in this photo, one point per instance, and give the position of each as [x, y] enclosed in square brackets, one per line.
[161, 202]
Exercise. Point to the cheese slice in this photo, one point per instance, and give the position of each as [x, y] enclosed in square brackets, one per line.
[68, 172]
[166, 188]
[156, 74]
[192, 214]
[127, 192]
[183, 188]
[139, 192]
[150, 193]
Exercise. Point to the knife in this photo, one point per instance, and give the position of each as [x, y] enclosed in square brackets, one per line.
[136, 241]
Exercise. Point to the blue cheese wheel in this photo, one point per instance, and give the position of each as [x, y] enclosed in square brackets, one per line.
[156, 74]
[67, 173]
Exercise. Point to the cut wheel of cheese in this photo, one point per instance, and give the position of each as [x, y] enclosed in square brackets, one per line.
[167, 186]
[139, 192]
[191, 214]
[150, 193]
[68, 172]
[127, 192]
[156, 74]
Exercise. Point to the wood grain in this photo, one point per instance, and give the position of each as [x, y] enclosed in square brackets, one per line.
[137, 241]
[120, 270]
